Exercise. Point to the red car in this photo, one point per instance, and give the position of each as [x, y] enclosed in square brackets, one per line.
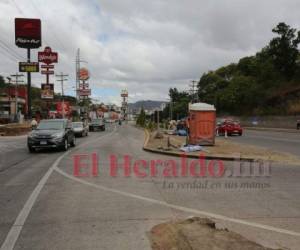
[232, 127]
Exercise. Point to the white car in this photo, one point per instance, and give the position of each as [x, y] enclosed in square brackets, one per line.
[80, 129]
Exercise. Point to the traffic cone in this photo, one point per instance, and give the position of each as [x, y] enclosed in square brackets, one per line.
[226, 134]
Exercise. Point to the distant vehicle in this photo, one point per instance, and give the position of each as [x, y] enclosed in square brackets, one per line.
[80, 129]
[56, 133]
[298, 124]
[97, 124]
[232, 127]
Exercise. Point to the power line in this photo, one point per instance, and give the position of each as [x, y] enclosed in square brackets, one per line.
[11, 51]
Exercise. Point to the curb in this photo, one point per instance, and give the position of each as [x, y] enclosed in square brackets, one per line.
[209, 157]
[286, 130]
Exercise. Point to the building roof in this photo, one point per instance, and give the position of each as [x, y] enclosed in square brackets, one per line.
[201, 106]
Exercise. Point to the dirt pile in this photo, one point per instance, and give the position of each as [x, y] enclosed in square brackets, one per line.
[198, 234]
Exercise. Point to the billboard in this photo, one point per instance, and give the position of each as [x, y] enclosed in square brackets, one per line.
[47, 91]
[28, 33]
[84, 74]
[63, 107]
[29, 67]
[47, 56]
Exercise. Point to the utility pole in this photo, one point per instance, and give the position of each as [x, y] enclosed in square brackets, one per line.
[9, 95]
[193, 91]
[77, 64]
[29, 113]
[77, 72]
[61, 80]
[17, 81]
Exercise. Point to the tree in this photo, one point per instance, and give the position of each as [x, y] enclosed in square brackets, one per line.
[2, 82]
[141, 120]
[284, 49]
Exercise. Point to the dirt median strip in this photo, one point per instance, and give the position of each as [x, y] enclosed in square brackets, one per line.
[224, 149]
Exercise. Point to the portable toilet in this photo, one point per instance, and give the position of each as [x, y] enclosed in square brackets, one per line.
[202, 124]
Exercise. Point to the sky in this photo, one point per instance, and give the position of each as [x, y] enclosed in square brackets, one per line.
[143, 46]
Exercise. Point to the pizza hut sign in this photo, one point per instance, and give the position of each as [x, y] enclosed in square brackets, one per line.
[28, 33]
[47, 56]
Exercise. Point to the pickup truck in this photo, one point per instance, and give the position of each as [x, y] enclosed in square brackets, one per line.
[97, 124]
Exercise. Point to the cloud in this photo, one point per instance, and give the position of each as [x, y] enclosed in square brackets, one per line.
[145, 46]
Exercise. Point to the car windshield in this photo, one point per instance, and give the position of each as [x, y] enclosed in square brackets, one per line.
[77, 125]
[51, 125]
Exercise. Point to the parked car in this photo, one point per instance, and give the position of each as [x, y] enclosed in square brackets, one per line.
[97, 124]
[80, 129]
[232, 127]
[56, 133]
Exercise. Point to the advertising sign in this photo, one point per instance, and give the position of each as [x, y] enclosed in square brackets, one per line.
[84, 92]
[29, 67]
[28, 33]
[124, 93]
[47, 91]
[84, 74]
[47, 72]
[47, 56]
[84, 86]
[63, 106]
[47, 66]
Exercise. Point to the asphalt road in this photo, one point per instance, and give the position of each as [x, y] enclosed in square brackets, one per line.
[278, 141]
[44, 206]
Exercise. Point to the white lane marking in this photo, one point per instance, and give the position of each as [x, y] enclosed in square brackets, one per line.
[17, 227]
[181, 208]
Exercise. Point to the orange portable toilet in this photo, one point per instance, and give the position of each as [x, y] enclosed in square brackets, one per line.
[202, 124]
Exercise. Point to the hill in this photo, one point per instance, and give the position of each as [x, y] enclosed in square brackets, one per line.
[146, 104]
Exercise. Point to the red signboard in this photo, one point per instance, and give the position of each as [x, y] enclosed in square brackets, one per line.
[47, 56]
[63, 106]
[28, 33]
[84, 74]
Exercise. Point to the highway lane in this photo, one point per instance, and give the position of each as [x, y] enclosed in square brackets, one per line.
[104, 212]
[20, 172]
[279, 141]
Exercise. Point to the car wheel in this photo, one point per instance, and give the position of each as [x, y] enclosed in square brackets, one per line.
[66, 145]
[240, 134]
[73, 143]
[31, 149]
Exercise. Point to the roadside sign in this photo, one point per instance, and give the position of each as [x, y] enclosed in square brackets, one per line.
[63, 108]
[47, 72]
[84, 86]
[28, 33]
[43, 66]
[84, 74]
[84, 92]
[47, 56]
[47, 91]
[29, 67]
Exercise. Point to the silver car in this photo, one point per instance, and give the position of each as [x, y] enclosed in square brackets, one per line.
[80, 129]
